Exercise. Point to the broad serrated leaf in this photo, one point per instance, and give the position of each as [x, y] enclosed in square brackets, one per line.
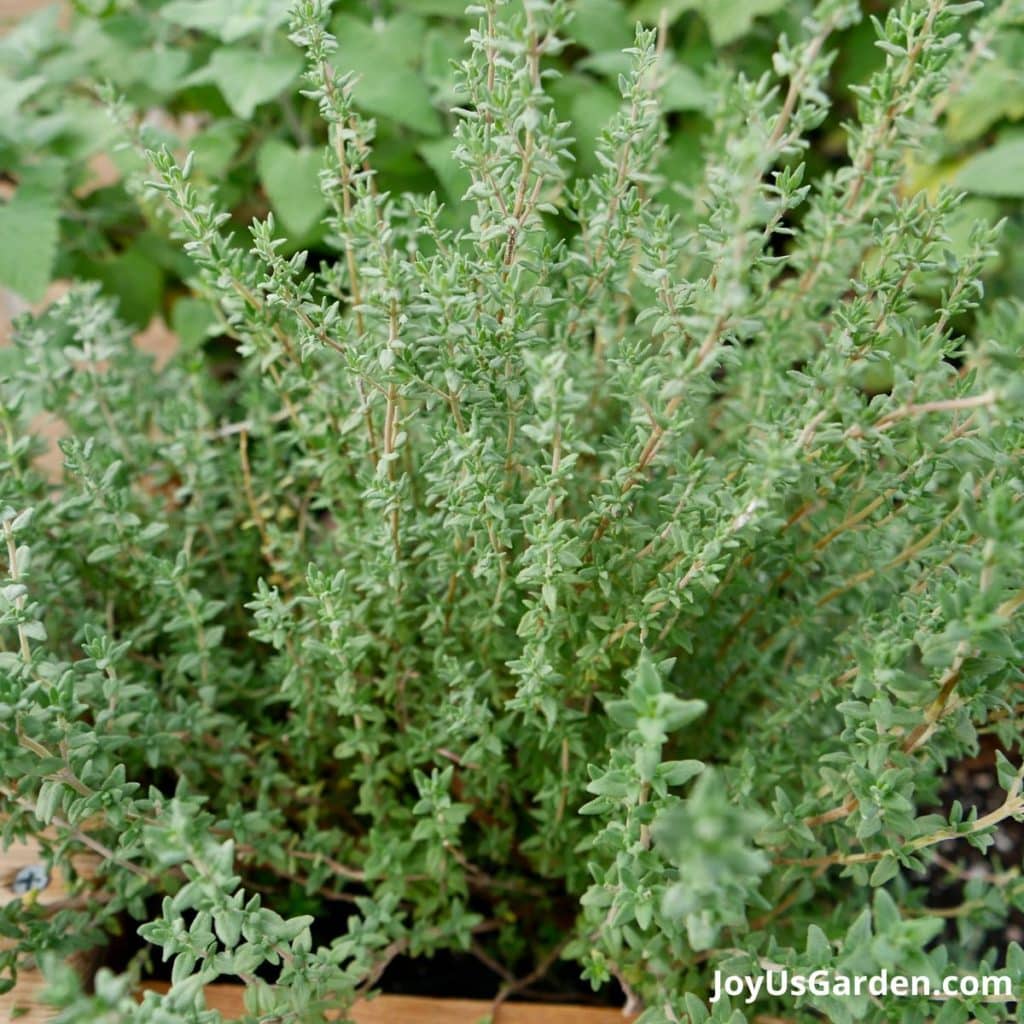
[248, 77]
[291, 178]
[401, 93]
[228, 20]
[29, 231]
[998, 171]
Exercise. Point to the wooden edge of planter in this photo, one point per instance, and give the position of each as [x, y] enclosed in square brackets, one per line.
[26, 874]
[228, 999]
[22, 1004]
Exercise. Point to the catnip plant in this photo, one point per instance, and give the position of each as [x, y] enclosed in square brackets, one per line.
[612, 580]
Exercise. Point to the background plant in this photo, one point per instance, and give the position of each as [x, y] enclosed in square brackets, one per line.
[186, 65]
[610, 571]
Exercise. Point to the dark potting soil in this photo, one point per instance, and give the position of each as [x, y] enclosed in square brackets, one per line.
[973, 782]
[461, 976]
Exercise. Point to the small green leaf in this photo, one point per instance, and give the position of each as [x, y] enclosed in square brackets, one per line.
[885, 870]
[819, 949]
[47, 801]
[1006, 771]
[695, 1009]
[677, 773]
[103, 553]
[34, 630]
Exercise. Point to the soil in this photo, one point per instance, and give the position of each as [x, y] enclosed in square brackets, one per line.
[973, 782]
[460, 975]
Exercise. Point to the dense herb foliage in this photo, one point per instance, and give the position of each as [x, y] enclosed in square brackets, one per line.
[592, 575]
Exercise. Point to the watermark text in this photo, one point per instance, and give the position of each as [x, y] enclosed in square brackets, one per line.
[782, 982]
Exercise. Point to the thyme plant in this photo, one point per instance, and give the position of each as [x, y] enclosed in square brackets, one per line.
[611, 579]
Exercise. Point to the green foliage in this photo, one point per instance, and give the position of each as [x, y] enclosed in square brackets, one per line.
[998, 171]
[30, 219]
[291, 178]
[231, 70]
[727, 20]
[612, 567]
[189, 64]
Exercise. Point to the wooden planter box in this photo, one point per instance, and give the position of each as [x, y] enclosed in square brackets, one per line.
[22, 1003]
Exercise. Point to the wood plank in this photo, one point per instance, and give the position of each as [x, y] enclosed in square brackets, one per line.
[13, 10]
[22, 1003]
[27, 857]
[20, 864]
[418, 1010]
